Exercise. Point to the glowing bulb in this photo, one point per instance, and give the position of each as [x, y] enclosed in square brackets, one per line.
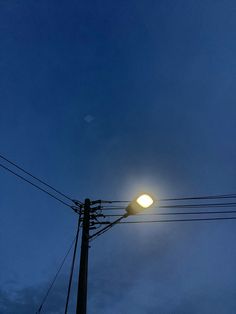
[144, 200]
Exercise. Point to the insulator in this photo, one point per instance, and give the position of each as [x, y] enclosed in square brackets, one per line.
[95, 202]
[94, 209]
[78, 203]
[75, 208]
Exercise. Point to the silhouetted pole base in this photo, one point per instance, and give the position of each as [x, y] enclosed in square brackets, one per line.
[83, 270]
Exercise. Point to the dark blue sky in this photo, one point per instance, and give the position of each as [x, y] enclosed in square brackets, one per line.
[104, 99]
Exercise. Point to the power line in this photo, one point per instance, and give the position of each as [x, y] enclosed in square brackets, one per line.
[73, 264]
[105, 229]
[229, 204]
[109, 225]
[34, 177]
[218, 196]
[55, 277]
[33, 184]
[204, 197]
[200, 205]
[181, 213]
[94, 236]
[178, 220]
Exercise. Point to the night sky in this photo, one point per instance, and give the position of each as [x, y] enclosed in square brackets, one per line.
[105, 99]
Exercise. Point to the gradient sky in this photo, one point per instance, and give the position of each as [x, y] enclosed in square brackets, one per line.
[104, 99]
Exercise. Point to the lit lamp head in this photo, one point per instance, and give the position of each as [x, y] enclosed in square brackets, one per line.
[139, 204]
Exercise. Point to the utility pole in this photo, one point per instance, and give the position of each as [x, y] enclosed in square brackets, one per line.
[89, 218]
[83, 270]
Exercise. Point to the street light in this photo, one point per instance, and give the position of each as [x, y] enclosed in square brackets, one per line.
[140, 203]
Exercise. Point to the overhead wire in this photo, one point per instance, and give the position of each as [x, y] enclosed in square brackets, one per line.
[105, 229]
[218, 196]
[109, 225]
[118, 221]
[55, 277]
[35, 185]
[73, 263]
[34, 177]
[93, 237]
[200, 205]
[180, 213]
[172, 220]
[204, 197]
[229, 204]
[178, 220]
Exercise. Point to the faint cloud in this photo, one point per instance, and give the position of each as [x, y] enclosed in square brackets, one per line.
[27, 300]
[89, 118]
